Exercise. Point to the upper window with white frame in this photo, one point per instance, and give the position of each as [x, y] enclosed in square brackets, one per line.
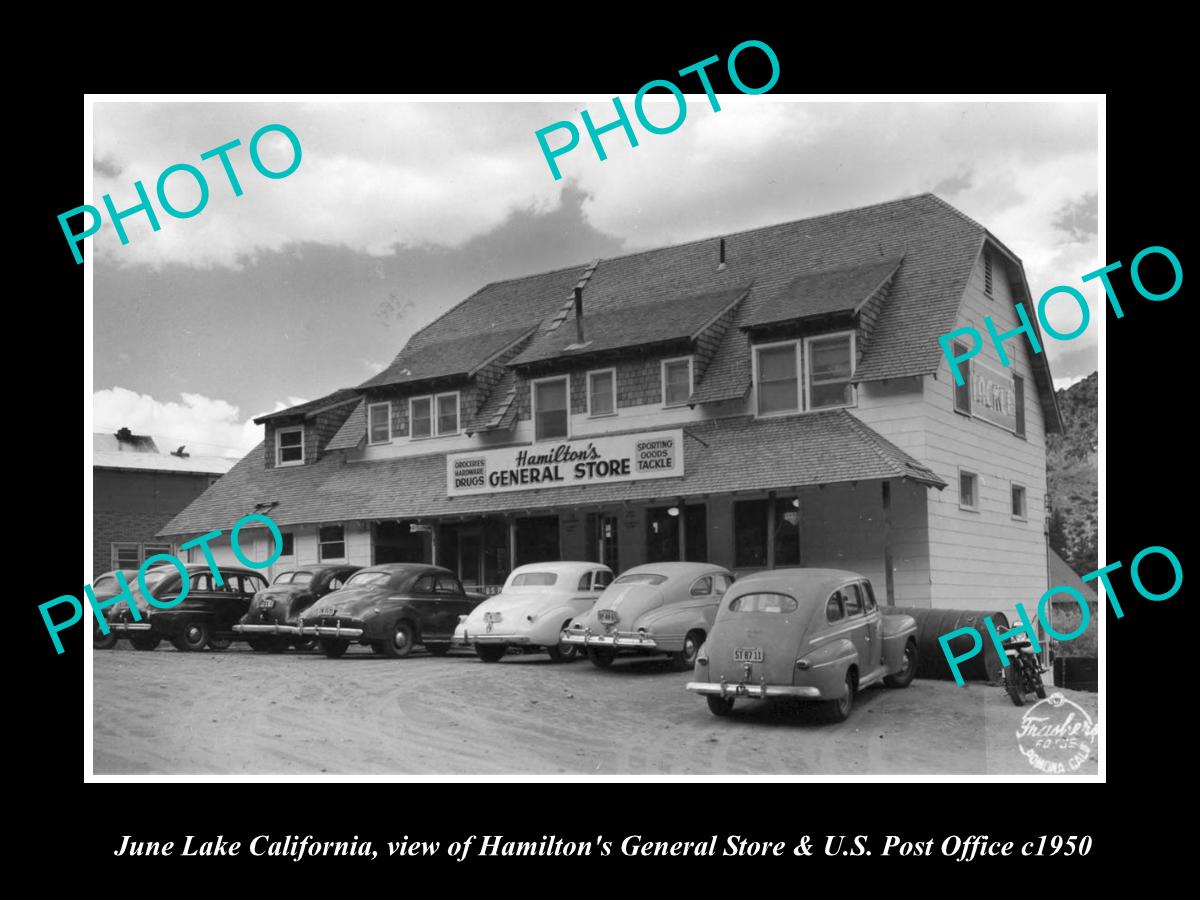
[551, 408]
[602, 392]
[289, 446]
[968, 490]
[379, 419]
[827, 362]
[433, 416]
[677, 381]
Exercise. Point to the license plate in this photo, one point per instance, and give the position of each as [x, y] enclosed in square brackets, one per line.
[491, 617]
[607, 616]
[266, 603]
[748, 654]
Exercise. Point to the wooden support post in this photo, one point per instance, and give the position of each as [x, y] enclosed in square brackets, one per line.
[888, 577]
[681, 529]
[512, 543]
[771, 530]
[433, 543]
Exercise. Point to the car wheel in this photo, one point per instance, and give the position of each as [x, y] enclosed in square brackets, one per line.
[145, 641]
[194, 636]
[601, 658]
[438, 649]
[103, 641]
[1040, 690]
[332, 647]
[277, 644]
[401, 642]
[489, 652]
[719, 706]
[839, 710]
[220, 643]
[908, 668]
[685, 659]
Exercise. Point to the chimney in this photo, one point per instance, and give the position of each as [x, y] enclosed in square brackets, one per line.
[579, 312]
[721, 266]
[124, 436]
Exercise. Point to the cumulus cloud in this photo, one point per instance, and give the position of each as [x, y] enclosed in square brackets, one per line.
[206, 426]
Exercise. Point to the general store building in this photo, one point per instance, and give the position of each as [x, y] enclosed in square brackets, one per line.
[766, 398]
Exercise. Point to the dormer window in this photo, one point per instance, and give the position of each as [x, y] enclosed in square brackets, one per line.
[289, 446]
[827, 364]
[677, 381]
[379, 417]
[435, 416]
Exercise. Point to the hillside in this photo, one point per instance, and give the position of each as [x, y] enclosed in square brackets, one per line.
[1071, 472]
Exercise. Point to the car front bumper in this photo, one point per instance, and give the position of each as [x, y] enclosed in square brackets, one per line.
[753, 691]
[610, 642]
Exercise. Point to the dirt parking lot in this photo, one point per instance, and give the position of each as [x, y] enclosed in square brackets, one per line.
[238, 712]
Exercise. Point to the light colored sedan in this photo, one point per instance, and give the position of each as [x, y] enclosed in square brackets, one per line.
[537, 602]
[653, 609]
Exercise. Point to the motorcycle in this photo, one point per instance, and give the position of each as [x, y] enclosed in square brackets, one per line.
[1023, 674]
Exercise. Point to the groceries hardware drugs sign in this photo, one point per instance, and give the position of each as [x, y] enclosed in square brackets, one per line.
[625, 457]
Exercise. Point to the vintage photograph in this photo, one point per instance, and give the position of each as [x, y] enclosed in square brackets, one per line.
[411, 458]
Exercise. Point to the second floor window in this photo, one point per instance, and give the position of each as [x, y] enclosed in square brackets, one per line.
[289, 446]
[550, 412]
[331, 542]
[433, 416]
[602, 391]
[778, 379]
[380, 415]
[830, 365]
[804, 375]
[677, 381]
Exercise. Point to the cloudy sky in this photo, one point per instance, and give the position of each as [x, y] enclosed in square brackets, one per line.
[398, 211]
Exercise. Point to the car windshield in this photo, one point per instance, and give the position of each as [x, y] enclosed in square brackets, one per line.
[105, 583]
[302, 578]
[534, 579]
[641, 578]
[362, 579]
[284, 578]
[763, 603]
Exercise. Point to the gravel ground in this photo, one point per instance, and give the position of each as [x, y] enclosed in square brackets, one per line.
[238, 712]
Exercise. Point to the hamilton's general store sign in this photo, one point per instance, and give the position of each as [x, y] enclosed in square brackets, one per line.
[625, 457]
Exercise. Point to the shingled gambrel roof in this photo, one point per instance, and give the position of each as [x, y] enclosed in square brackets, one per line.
[723, 455]
[329, 401]
[449, 358]
[353, 430]
[634, 324]
[938, 245]
[844, 289]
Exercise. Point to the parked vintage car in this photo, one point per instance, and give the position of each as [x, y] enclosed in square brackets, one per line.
[103, 587]
[206, 616]
[652, 609]
[812, 634]
[273, 621]
[537, 602]
[393, 608]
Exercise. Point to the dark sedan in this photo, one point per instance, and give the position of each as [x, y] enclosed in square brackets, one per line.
[393, 608]
[273, 621]
[206, 616]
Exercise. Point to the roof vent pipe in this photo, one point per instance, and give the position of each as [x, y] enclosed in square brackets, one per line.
[721, 267]
[579, 312]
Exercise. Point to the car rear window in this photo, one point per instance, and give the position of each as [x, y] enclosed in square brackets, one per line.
[302, 578]
[641, 578]
[764, 603]
[284, 578]
[362, 579]
[104, 583]
[534, 579]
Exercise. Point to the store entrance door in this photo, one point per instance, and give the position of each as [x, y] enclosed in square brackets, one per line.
[470, 558]
[602, 540]
[537, 540]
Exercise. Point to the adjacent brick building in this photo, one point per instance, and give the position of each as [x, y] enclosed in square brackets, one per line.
[136, 490]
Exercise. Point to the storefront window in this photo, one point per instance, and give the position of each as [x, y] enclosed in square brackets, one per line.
[332, 542]
[778, 380]
[830, 365]
[662, 533]
[537, 540]
[751, 531]
[550, 408]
